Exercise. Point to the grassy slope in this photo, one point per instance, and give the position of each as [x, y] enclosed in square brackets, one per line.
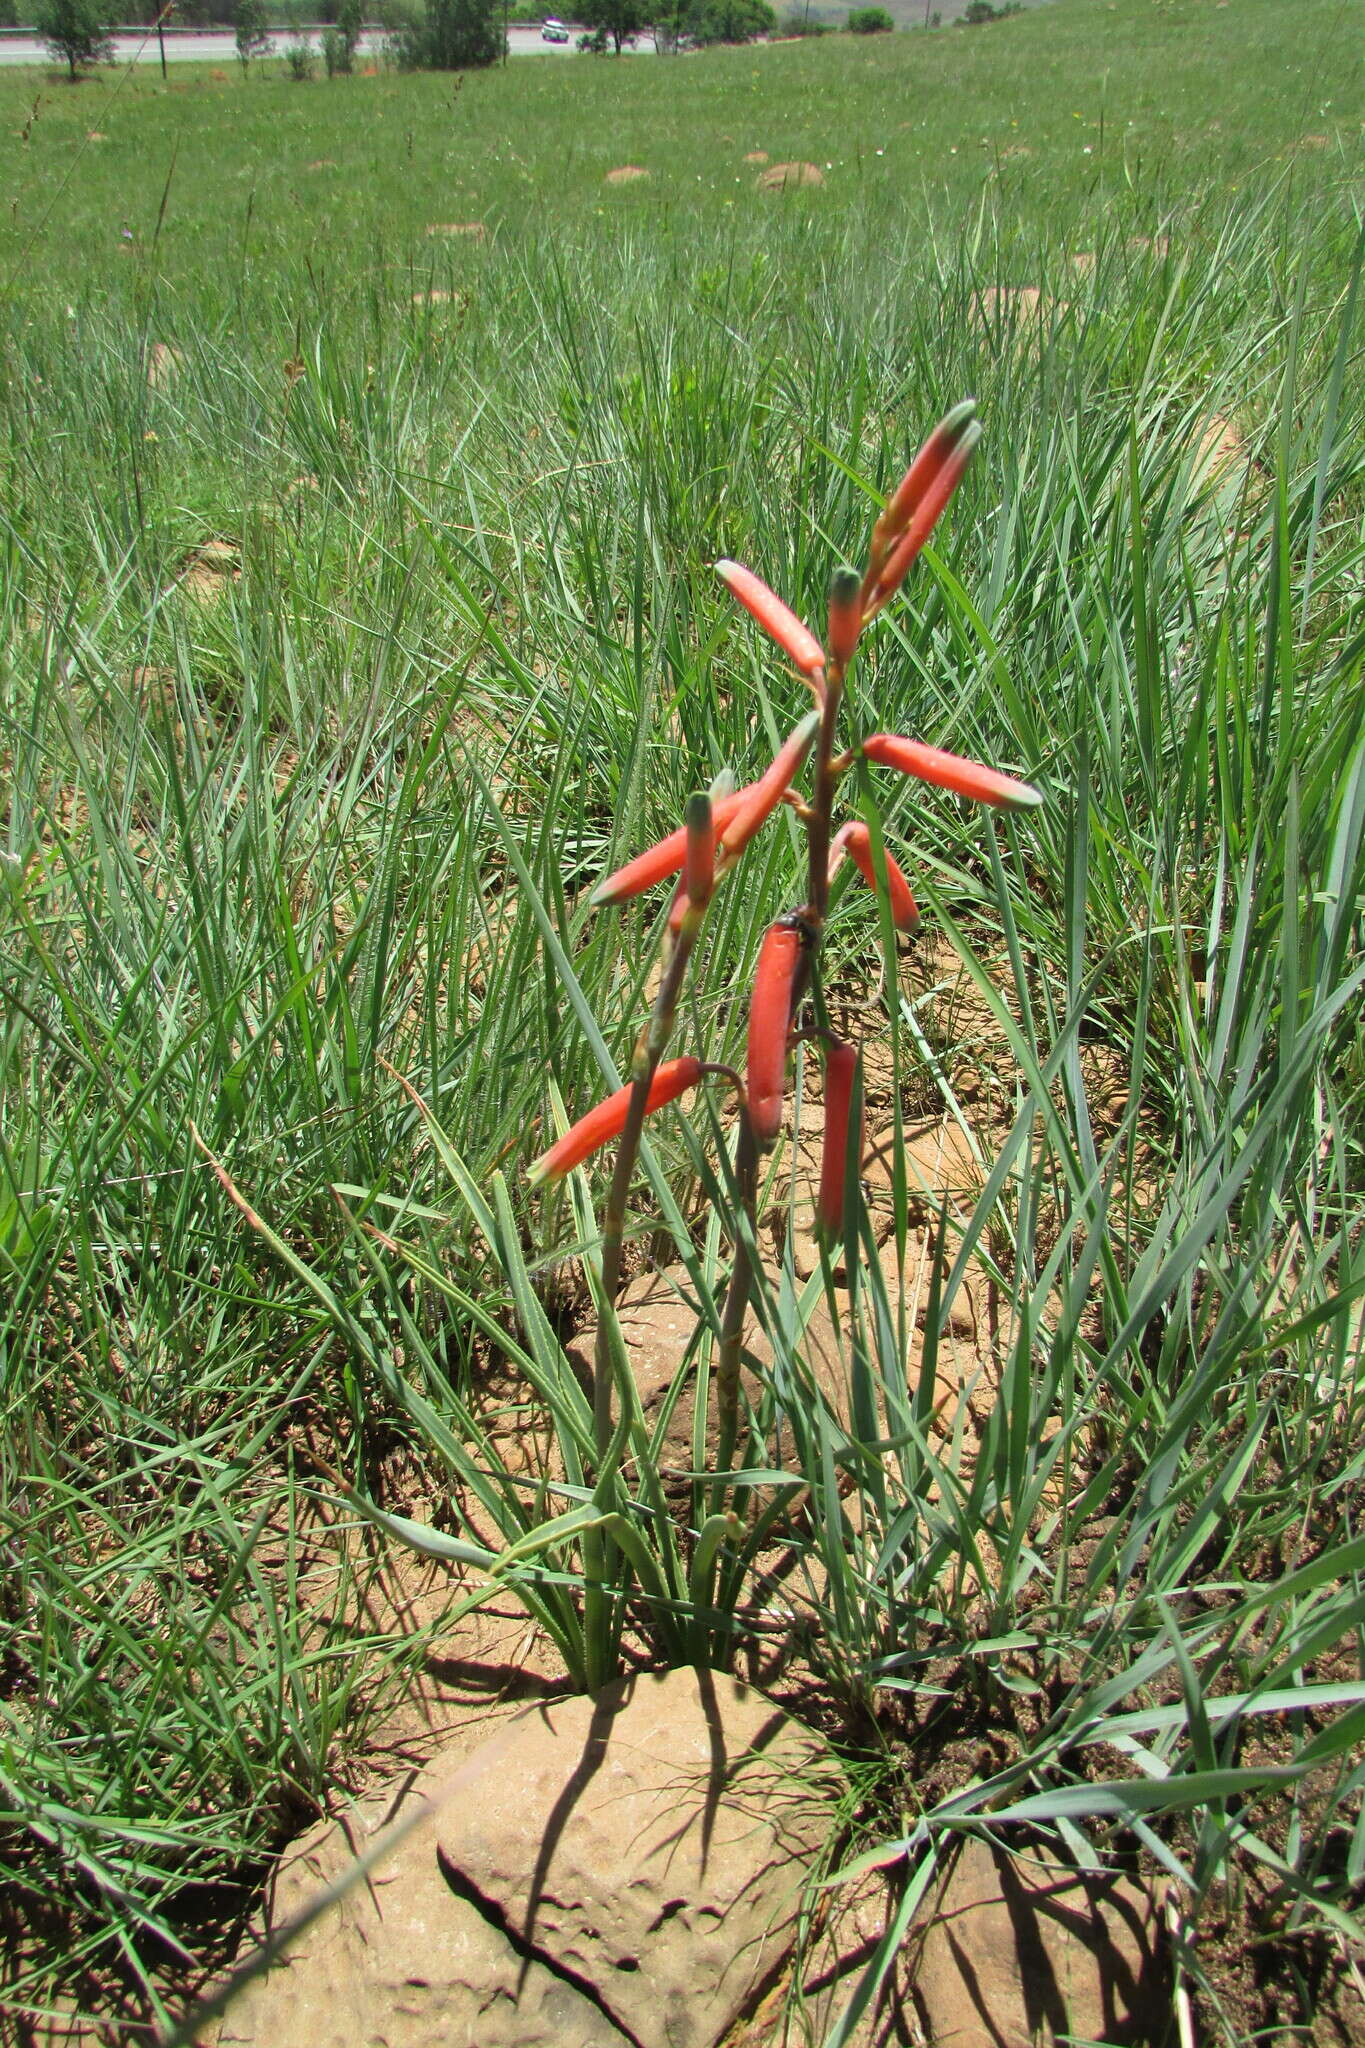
[1162, 98]
[244, 860]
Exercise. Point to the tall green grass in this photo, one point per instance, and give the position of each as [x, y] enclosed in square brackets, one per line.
[268, 851]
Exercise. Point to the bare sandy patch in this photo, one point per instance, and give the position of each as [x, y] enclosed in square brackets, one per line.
[209, 569]
[1017, 311]
[1223, 462]
[625, 174]
[164, 365]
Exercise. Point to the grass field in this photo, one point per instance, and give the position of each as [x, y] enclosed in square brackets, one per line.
[357, 612]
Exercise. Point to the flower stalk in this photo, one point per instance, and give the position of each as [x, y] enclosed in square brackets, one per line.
[702, 852]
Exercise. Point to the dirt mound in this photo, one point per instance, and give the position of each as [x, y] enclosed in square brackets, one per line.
[785, 177]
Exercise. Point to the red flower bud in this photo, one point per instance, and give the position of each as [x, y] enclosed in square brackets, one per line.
[841, 1063]
[699, 863]
[946, 477]
[856, 838]
[656, 863]
[950, 771]
[770, 1011]
[777, 619]
[762, 797]
[914, 486]
[608, 1119]
[845, 614]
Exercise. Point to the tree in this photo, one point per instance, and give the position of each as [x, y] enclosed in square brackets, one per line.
[454, 35]
[253, 31]
[339, 43]
[729, 21]
[74, 30]
[618, 20]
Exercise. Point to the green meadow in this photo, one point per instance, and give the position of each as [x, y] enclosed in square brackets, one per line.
[365, 454]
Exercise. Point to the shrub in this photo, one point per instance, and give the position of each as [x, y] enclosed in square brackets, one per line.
[300, 62]
[869, 21]
[451, 35]
[74, 30]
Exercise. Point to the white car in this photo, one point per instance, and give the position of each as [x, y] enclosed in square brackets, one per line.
[553, 31]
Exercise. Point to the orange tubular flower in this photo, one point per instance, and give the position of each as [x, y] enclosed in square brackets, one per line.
[900, 506]
[857, 840]
[917, 505]
[841, 1062]
[658, 862]
[778, 620]
[951, 771]
[608, 1119]
[769, 1022]
[761, 798]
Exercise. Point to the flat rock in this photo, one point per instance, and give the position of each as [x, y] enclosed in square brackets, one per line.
[1018, 1952]
[615, 1871]
[402, 1961]
[650, 1842]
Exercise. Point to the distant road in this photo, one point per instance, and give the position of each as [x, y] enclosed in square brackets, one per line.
[218, 46]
